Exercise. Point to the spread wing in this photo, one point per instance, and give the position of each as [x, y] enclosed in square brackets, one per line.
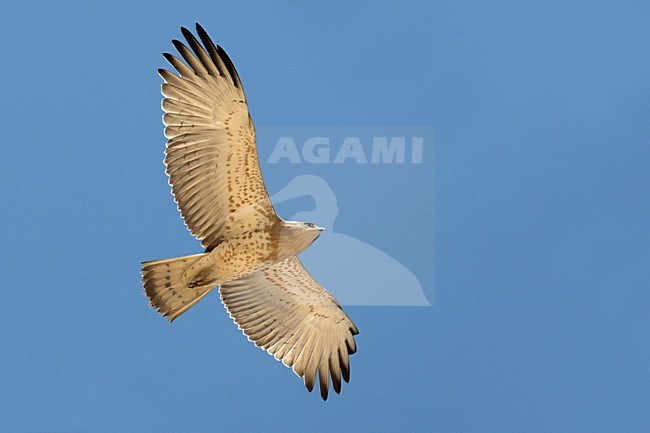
[211, 157]
[283, 310]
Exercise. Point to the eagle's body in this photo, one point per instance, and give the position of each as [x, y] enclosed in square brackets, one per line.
[211, 161]
[247, 249]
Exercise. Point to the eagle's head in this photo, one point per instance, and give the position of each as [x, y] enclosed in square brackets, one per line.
[312, 226]
[295, 236]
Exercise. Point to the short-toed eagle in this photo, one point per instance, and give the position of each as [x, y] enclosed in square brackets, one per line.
[250, 252]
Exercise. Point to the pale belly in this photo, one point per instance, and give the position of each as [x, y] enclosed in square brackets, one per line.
[232, 259]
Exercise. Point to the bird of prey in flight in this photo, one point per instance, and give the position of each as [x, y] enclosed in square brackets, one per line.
[250, 252]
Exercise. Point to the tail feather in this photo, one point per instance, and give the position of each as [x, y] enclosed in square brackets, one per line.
[162, 285]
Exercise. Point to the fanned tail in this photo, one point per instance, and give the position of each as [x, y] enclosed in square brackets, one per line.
[162, 285]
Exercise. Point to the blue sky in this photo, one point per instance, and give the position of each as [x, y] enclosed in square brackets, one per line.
[541, 223]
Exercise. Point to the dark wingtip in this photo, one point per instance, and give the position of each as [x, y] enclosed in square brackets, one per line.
[205, 38]
[178, 45]
[229, 65]
[336, 383]
[345, 372]
[188, 35]
[170, 58]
